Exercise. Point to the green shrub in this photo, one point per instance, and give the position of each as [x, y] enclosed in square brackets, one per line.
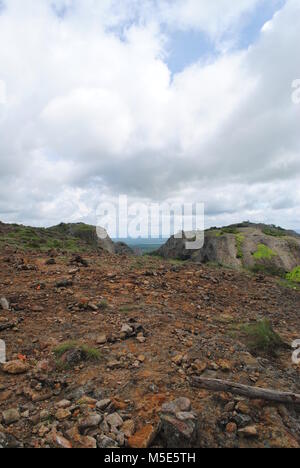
[264, 253]
[274, 231]
[226, 230]
[262, 337]
[268, 269]
[294, 275]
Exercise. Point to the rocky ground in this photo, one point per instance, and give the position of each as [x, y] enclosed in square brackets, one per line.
[137, 331]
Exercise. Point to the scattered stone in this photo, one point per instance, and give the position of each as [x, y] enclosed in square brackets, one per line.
[87, 401]
[178, 359]
[250, 431]
[140, 338]
[45, 366]
[144, 437]
[15, 367]
[63, 414]
[242, 420]
[64, 404]
[114, 420]
[5, 396]
[127, 330]
[243, 408]
[180, 405]
[105, 442]
[37, 308]
[102, 339]
[73, 357]
[231, 428]
[60, 441]
[43, 430]
[185, 416]
[79, 260]
[8, 441]
[113, 364]
[128, 428]
[51, 261]
[90, 422]
[103, 404]
[66, 283]
[82, 442]
[4, 303]
[11, 416]
[179, 426]
[176, 433]
[224, 365]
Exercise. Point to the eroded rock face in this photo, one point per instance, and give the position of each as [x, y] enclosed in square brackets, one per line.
[239, 246]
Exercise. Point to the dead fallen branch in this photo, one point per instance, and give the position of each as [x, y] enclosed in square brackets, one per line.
[244, 390]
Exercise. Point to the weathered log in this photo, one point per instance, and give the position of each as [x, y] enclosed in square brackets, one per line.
[244, 390]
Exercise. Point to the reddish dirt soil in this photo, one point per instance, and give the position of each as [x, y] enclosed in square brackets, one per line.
[191, 318]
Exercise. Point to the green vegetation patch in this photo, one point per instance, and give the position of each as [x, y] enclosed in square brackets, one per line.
[289, 284]
[103, 304]
[88, 353]
[43, 240]
[274, 231]
[262, 338]
[239, 245]
[294, 275]
[268, 269]
[264, 253]
[226, 230]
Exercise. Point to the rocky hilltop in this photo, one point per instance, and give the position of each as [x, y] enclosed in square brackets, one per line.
[106, 351]
[257, 247]
[77, 237]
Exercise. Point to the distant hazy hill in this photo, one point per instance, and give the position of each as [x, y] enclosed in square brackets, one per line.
[77, 237]
[258, 247]
[143, 246]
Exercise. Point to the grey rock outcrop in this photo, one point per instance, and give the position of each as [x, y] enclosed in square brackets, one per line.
[253, 246]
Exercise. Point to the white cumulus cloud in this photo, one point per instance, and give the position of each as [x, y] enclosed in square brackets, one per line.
[91, 109]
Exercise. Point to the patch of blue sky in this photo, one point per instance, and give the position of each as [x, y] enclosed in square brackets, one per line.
[2, 6]
[253, 23]
[188, 47]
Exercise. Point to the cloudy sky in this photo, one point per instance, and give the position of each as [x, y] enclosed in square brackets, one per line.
[157, 99]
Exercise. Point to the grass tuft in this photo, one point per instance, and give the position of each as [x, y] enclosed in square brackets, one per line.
[89, 354]
[60, 350]
[262, 338]
[103, 304]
